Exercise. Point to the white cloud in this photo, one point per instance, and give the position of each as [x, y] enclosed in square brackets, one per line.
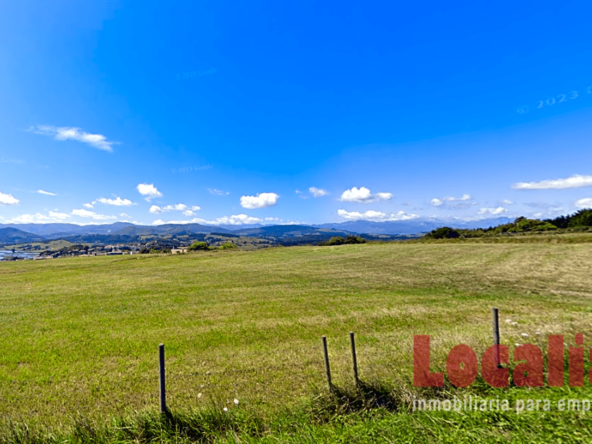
[90, 205]
[363, 195]
[52, 217]
[261, 200]
[7, 199]
[440, 202]
[187, 211]
[506, 202]
[375, 215]
[118, 202]
[14, 161]
[47, 193]
[59, 217]
[217, 192]
[127, 216]
[301, 195]
[64, 133]
[492, 211]
[584, 203]
[575, 181]
[91, 215]
[238, 219]
[149, 191]
[318, 192]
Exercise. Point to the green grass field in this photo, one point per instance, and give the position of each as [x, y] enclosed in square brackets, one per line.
[79, 342]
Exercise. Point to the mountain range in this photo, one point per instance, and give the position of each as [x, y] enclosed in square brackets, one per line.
[120, 231]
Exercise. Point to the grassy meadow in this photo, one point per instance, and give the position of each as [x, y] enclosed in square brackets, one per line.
[79, 341]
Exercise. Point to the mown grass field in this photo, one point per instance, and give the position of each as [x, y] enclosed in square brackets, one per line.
[79, 341]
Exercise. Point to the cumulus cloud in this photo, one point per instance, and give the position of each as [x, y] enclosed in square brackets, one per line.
[91, 215]
[149, 191]
[70, 133]
[506, 202]
[187, 211]
[47, 193]
[90, 205]
[492, 211]
[377, 216]
[261, 200]
[318, 192]
[118, 202]
[217, 192]
[7, 199]
[459, 202]
[51, 217]
[584, 203]
[238, 219]
[575, 181]
[363, 195]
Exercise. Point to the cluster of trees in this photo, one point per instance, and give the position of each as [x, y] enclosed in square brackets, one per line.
[579, 220]
[338, 240]
[203, 246]
[582, 218]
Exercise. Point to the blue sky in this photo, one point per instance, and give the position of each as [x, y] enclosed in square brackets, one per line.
[232, 112]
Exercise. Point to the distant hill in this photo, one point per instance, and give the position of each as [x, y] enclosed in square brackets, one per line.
[148, 230]
[288, 230]
[125, 230]
[59, 230]
[413, 226]
[14, 236]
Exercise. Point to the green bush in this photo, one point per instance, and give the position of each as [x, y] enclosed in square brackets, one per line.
[196, 246]
[227, 246]
[338, 240]
[354, 240]
[443, 233]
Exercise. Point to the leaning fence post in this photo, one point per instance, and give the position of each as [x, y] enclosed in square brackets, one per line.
[354, 357]
[163, 406]
[327, 368]
[496, 336]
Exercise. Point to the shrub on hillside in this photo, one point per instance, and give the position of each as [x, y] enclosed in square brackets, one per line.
[227, 246]
[443, 233]
[354, 240]
[522, 225]
[338, 240]
[196, 246]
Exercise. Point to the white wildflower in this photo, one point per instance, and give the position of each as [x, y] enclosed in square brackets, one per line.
[225, 409]
[236, 401]
[524, 335]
